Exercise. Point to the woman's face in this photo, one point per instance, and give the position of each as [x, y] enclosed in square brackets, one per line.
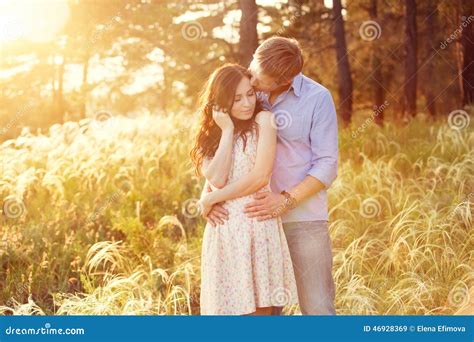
[244, 100]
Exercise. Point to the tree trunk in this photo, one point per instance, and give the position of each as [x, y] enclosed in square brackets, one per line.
[84, 88]
[60, 107]
[377, 78]
[343, 66]
[459, 53]
[431, 13]
[467, 41]
[57, 112]
[410, 60]
[248, 31]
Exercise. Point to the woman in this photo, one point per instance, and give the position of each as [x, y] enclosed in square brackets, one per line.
[245, 266]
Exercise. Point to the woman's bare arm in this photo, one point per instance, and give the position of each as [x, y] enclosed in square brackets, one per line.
[262, 170]
[216, 170]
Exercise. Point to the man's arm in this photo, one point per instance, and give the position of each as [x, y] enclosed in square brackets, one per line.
[324, 142]
[324, 160]
[306, 188]
[324, 148]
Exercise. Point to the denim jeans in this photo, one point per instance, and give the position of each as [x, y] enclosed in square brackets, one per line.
[311, 254]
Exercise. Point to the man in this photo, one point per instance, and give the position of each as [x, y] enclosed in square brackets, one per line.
[305, 167]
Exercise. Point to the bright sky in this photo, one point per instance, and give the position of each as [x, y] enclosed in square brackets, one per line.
[34, 20]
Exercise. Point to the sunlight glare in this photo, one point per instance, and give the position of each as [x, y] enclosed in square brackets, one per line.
[32, 20]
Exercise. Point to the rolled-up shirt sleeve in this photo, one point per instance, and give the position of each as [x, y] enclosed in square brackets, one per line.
[324, 140]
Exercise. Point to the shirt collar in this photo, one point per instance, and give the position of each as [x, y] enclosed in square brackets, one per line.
[297, 83]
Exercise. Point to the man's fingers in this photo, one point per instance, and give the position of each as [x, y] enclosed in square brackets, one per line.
[260, 195]
[257, 215]
[264, 217]
[253, 204]
[255, 209]
[261, 212]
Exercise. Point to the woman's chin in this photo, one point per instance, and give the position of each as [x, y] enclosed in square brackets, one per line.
[246, 116]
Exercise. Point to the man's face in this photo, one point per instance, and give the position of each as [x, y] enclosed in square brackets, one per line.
[259, 80]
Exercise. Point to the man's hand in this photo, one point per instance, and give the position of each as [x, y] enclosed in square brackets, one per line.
[266, 206]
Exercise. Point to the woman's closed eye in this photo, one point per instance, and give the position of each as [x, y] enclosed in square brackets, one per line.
[250, 93]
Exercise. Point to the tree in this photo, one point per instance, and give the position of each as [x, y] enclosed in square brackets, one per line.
[431, 21]
[343, 66]
[248, 40]
[410, 59]
[377, 79]
[467, 42]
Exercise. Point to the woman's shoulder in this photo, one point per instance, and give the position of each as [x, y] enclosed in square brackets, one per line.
[264, 117]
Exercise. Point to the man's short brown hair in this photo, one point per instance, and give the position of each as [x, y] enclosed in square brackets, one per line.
[280, 58]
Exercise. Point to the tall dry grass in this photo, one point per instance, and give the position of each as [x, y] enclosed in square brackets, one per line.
[99, 218]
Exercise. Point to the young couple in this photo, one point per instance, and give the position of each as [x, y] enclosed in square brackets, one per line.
[267, 146]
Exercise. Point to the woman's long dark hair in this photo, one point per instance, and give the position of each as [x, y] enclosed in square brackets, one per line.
[220, 90]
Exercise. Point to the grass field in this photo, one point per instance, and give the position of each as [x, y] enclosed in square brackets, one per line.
[99, 217]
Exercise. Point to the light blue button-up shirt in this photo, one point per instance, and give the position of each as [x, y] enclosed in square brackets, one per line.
[307, 144]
